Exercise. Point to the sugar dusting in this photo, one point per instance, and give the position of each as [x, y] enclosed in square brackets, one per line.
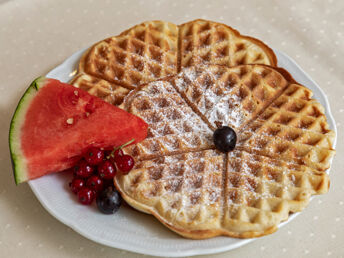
[192, 186]
[172, 123]
[224, 106]
[228, 111]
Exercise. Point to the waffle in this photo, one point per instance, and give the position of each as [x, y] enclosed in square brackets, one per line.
[199, 192]
[141, 54]
[182, 189]
[230, 97]
[204, 41]
[173, 125]
[110, 92]
[261, 192]
[294, 128]
[156, 49]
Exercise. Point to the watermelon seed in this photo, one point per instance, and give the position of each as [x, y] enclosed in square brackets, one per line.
[90, 106]
[73, 98]
[70, 121]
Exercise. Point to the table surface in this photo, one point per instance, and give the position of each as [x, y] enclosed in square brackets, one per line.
[37, 35]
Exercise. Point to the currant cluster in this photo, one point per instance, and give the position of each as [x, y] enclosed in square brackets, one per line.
[93, 177]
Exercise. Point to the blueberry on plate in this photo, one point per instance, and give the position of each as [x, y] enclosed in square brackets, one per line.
[109, 200]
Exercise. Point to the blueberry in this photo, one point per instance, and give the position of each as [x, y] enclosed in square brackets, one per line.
[225, 139]
[109, 200]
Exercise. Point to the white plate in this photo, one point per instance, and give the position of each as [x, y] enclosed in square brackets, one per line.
[129, 229]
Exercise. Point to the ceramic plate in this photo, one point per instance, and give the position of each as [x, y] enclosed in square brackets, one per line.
[129, 229]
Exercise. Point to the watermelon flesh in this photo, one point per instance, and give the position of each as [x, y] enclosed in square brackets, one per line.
[55, 123]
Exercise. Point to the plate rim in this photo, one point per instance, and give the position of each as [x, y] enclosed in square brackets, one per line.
[177, 253]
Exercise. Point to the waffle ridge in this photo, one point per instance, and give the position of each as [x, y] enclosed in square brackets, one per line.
[248, 90]
[110, 92]
[253, 191]
[190, 188]
[204, 41]
[172, 122]
[153, 50]
[143, 53]
[294, 128]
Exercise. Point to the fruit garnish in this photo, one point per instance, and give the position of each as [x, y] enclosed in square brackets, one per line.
[116, 152]
[89, 182]
[225, 139]
[95, 183]
[106, 169]
[86, 195]
[94, 156]
[83, 169]
[125, 163]
[109, 200]
[76, 185]
[54, 123]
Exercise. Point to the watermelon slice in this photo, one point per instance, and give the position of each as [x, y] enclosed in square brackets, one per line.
[55, 123]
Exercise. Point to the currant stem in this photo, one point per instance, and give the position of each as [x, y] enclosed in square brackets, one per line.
[120, 147]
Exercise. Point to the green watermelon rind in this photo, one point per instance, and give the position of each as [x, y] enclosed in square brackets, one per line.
[17, 156]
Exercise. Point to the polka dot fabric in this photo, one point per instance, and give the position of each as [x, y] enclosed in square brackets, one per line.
[37, 35]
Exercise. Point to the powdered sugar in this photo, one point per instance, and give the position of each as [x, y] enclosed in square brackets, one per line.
[228, 111]
[213, 98]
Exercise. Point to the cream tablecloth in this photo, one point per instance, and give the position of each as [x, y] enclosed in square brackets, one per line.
[37, 35]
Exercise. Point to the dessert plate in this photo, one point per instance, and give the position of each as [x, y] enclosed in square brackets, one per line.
[129, 229]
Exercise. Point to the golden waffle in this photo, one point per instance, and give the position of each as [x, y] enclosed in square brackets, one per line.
[261, 192]
[173, 125]
[204, 41]
[141, 54]
[231, 96]
[205, 194]
[200, 193]
[110, 92]
[183, 189]
[155, 49]
[294, 128]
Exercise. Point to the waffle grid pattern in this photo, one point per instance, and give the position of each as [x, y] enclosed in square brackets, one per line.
[205, 42]
[264, 190]
[110, 92]
[183, 187]
[294, 128]
[155, 49]
[173, 126]
[247, 91]
[144, 53]
[254, 190]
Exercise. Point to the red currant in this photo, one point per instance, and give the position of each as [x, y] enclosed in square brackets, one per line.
[76, 185]
[106, 169]
[94, 156]
[86, 196]
[95, 183]
[83, 169]
[118, 153]
[125, 163]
